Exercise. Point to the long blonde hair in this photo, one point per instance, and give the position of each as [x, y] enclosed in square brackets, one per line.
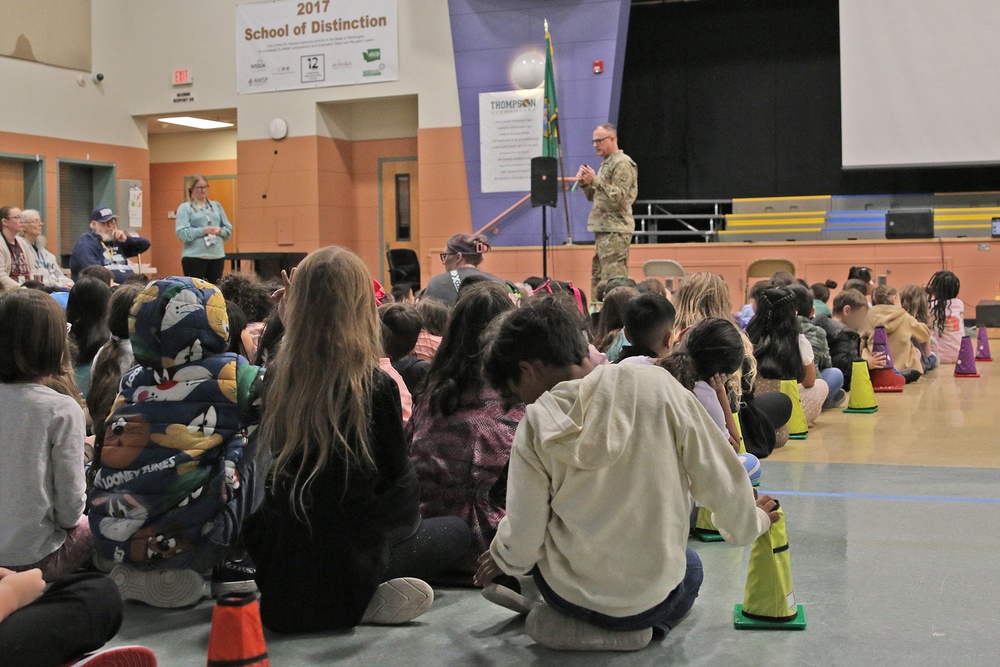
[318, 402]
[703, 295]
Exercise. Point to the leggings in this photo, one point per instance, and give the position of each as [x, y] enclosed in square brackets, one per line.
[76, 614]
[440, 544]
[776, 406]
[206, 269]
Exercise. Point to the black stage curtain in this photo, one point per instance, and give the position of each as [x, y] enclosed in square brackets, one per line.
[726, 99]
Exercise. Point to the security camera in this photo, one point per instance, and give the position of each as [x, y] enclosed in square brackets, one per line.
[98, 77]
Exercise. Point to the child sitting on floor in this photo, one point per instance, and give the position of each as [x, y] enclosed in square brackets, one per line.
[746, 313]
[174, 475]
[401, 324]
[850, 308]
[816, 336]
[706, 356]
[41, 443]
[782, 352]
[900, 327]
[913, 299]
[598, 496]
[947, 314]
[649, 326]
[821, 297]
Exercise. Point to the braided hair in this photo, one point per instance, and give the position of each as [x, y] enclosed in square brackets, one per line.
[942, 288]
[774, 332]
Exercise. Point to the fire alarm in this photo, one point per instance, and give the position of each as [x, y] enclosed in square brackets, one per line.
[598, 67]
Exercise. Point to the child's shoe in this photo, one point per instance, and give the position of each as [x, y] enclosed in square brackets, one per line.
[518, 594]
[399, 601]
[166, 589]
[557, 631]
[121, 656]
[234, 576]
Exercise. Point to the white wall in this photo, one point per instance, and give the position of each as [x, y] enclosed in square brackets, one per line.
[138, 44]
[45, 100]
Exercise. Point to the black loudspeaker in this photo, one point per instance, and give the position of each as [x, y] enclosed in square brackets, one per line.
[909, 223]
[544, 182]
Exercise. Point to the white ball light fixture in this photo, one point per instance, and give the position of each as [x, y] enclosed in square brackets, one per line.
[528, 70]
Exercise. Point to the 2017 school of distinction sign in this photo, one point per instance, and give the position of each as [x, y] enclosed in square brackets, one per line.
[290, 45]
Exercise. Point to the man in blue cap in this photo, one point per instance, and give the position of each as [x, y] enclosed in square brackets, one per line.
[106, 245]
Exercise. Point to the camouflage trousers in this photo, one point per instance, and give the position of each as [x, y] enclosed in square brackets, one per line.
[610, 258]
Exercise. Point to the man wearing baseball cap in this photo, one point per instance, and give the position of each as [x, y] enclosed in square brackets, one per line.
[106, 245]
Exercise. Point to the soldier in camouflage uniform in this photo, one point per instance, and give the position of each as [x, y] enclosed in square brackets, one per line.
[613, 189]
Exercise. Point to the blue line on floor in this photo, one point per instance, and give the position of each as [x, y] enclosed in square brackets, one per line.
[877, 496]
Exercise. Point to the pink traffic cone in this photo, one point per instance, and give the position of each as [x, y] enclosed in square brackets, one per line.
[983, 345]
[880, 343]
[966, 365]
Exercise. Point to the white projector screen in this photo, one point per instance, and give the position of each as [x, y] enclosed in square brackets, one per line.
[920, 82]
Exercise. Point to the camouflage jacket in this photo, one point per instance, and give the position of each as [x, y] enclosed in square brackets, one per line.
[613, 191]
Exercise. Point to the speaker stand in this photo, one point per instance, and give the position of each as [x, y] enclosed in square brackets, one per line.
[545, 244]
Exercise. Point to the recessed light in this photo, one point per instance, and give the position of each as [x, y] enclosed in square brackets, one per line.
[197, 123]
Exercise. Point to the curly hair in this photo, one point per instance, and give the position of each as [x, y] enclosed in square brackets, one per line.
[942, 288]
[250, 293]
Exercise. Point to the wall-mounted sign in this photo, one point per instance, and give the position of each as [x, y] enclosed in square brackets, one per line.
[287, 45]
[182, 77]
[510, 134]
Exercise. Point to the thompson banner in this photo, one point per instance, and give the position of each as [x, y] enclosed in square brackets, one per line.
[289, 45]
[509, 136]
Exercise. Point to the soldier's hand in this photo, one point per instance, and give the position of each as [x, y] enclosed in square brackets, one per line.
[586, 175]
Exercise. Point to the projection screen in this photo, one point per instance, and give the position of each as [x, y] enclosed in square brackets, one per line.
[920, 82]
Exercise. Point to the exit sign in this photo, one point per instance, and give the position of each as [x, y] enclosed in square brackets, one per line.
[182, 77]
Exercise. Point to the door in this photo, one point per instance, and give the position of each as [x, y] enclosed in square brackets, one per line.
[399, 212]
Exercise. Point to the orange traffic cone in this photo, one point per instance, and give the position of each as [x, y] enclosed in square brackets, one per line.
[237, 636]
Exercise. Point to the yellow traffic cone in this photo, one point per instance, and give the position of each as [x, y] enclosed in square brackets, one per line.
[739, 433]
[769, 598]
[798, 429]
[704, 529]
[862, 394]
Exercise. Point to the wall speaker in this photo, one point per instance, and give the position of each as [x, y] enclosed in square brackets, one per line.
[544, 182]
[909, 223]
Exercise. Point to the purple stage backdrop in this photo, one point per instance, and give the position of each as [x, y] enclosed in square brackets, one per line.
[487, 36]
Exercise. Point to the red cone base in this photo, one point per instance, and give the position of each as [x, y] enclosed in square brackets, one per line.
[885, 380]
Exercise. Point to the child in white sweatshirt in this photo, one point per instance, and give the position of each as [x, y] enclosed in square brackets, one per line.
[600, 474]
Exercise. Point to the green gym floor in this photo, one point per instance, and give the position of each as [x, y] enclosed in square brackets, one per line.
[893, 522]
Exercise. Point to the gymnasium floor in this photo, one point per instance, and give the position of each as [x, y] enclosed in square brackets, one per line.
[894, 527]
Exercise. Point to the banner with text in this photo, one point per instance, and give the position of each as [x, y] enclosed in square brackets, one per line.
[290, 45]
[510, 134]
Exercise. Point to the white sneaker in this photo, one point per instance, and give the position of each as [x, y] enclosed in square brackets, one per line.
[399, 601]
[167, 589]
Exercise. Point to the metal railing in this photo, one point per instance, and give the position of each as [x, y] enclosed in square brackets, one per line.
[666, 220]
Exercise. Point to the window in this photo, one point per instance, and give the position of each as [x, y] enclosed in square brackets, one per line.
[403, 207]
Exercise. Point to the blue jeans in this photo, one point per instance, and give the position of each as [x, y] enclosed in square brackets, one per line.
[661, 618]
[835, 378]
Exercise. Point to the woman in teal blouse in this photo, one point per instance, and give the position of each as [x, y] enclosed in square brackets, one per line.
[203, 226]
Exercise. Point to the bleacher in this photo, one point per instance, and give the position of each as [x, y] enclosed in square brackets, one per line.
[827, 217]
